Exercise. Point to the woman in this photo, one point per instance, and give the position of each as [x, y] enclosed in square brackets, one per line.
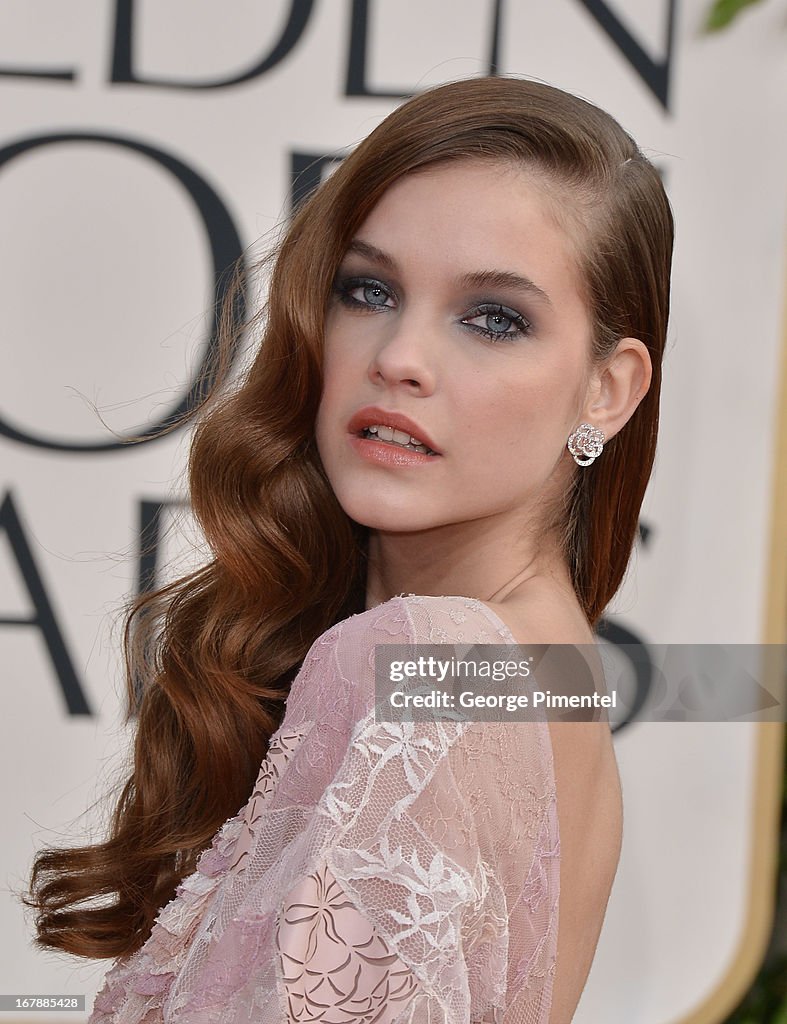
[446, 436]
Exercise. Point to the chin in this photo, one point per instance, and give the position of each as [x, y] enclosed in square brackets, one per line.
[390, 524]
[386, 520]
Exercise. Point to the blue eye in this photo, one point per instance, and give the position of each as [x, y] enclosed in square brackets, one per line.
[373, 293]
[497, 322]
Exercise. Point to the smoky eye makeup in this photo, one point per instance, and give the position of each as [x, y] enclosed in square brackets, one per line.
[372, 291]
[495, 320]
[498, 323]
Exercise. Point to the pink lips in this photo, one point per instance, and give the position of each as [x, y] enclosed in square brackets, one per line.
[371, 414]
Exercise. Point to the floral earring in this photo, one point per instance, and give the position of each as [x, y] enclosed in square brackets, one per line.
[586, 440]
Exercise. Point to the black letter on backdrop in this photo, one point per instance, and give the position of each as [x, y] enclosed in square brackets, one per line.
[61, 76]
[355, 83]
[225, 248]
[123, 72]
[494, 49]
[43, 618]
[49, 74]
[654, 73]
[638, 656]
[150, 513]
[634, 650]
[306, 173]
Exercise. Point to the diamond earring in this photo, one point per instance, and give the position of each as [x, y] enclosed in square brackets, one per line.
[585, 440]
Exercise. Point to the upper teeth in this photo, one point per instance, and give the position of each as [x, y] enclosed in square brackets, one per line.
[389, 434]
[386, 433]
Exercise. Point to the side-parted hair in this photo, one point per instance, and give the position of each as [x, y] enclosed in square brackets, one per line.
[210, 657]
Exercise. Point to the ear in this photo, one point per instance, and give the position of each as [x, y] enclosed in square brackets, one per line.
[617, 386]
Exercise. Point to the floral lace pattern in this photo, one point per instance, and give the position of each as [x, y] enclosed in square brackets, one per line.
[325, 944]
[384, 873]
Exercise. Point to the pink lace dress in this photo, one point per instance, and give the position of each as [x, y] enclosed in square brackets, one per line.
[380, 873]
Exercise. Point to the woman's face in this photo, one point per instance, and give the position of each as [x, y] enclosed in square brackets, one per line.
[457, 306]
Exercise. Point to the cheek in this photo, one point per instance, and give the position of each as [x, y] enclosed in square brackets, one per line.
[339, 392]
[332, 372]
[339, 359]
[511, 402]
[531, 411]
[324, 409]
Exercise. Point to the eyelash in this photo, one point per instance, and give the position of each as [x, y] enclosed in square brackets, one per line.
[343, 287]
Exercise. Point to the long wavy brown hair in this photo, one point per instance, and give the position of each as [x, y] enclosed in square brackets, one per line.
[210, 657]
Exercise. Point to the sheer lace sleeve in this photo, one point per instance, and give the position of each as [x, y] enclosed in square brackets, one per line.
[335, 966]
[436, 899]
[384, 873]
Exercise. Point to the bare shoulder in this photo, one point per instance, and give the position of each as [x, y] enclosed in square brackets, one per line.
[544, 615]
[589, 795]
[583, 750]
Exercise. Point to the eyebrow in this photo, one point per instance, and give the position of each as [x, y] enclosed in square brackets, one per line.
[475, 279]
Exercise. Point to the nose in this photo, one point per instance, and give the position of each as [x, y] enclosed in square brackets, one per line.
[405, 356]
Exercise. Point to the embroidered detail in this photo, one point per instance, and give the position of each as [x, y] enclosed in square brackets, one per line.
[393, 873]
[325, 945]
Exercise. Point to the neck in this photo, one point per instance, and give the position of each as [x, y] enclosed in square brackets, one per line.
[464, 559]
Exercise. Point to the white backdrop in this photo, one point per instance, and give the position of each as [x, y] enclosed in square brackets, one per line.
[141, 141]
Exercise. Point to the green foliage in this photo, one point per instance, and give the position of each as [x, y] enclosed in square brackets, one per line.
[723, 12]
